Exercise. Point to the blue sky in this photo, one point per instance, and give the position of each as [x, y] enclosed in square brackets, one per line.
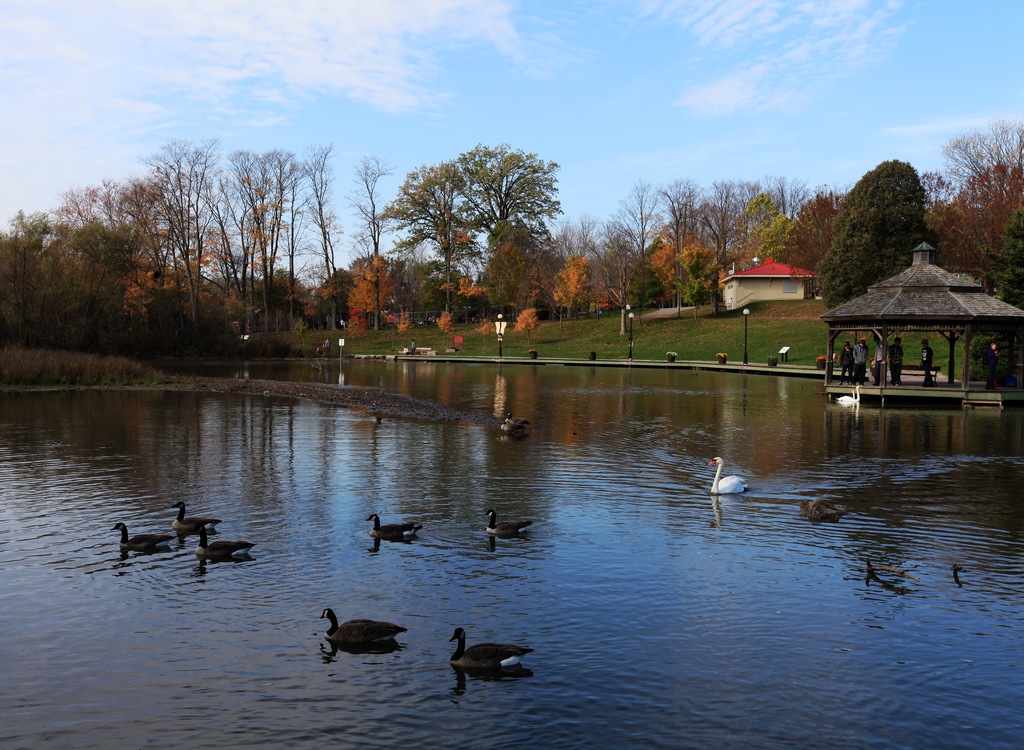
[615, 92]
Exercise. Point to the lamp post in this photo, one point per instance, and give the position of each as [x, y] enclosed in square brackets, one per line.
[630, 334]
[499, 328]
[746, 317]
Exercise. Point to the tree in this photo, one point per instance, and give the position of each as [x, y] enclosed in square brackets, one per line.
[681, 200]
[428, 209]
[636, 219]
[528, 322]
[572, 283]
[183, 174]
[446, 323]
[813, 231]
[975, 154]
[768, 229]
[371, 283]
[320, 177]
[374, 220]
[666, 265]
[614, 269]
[702, 274]
[26, 288]
[882, 221]
[721, 214]
[1011, 278]
[505, 188]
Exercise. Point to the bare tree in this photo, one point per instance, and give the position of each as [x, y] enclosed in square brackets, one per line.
[637, 219]
[721, 214]
[183, 174]
[973, 155]
[320, 178]
[374, 220]
[789, 196]
[681, 202]
[614, 267]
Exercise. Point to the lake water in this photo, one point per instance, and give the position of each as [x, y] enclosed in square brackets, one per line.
[659, 616]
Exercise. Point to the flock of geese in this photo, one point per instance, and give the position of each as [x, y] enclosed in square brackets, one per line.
[362, 633]
[353, 634]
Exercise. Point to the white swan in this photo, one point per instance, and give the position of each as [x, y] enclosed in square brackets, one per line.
[725, 485]
[853, 400]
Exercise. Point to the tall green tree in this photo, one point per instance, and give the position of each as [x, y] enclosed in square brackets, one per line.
[1011, 278]
[428, 208]
[881, 222]
[768, 229]
[28, 278]
[505, 188]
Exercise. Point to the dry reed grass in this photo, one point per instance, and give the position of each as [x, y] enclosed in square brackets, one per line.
[52, 367]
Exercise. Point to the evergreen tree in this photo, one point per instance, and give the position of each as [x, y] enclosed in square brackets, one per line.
[1011, 279]
[881, 222]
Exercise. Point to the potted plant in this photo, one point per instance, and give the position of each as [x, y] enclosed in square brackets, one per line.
[671, 356]
[722, 358]
[820, 361]
[772, 360]
[532, 353]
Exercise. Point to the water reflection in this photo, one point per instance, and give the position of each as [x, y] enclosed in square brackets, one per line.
[463, 675]
[629, 557]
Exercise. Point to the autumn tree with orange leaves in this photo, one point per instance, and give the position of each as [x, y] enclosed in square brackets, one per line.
[527, 322]
[572, 283]
[372, 284]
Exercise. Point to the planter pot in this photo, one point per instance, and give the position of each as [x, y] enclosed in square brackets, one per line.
[671, 357]
[722, 360]
[821, 364]
[533, 355]
[593, 356]
[773, 362]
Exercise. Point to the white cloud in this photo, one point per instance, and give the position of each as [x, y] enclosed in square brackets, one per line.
[767, 54]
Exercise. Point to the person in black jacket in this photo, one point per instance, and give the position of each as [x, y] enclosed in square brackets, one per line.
[896, 362]
[927, 360]
[991, 359]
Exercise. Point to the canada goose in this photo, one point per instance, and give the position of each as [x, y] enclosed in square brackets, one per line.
[393, 532]
[517, 427]
[359, 632]
[725, 485]
[207, 548]
[142, 542]
[509, 528]
[185, 526]
[485, 655]
[821, 510]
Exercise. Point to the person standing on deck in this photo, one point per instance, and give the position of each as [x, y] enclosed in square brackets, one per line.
[991, 359]
[927, 360]
[896, 362]
[860, 362]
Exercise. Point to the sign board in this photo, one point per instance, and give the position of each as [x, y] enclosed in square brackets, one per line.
[784, 350]
[341, 342]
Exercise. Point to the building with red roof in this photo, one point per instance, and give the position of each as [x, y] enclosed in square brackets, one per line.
[770, 280]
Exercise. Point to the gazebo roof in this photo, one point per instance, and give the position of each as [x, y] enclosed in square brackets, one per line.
[925, 292]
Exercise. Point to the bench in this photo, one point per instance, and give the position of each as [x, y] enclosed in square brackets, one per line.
[419, 351]
[920, 368]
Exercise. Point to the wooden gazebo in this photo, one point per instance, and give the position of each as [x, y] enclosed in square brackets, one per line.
[926, 298]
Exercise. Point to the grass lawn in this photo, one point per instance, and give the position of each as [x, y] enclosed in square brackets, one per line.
[771, 325]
